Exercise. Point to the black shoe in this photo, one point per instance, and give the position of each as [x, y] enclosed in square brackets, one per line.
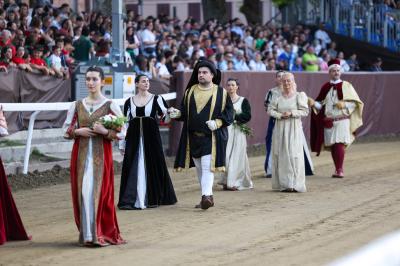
[206, 202]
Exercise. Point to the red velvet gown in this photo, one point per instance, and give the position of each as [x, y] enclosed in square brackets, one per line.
[11, 227]
[105, 230]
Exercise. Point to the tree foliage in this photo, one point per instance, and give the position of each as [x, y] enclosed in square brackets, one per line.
[282, 3]
[252, 11]
[214, 9]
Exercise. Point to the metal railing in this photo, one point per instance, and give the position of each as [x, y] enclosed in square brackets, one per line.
[363, 20]
[60, 106]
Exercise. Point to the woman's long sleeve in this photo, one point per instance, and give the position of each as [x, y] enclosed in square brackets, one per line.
[302, 106]
[273, 109]
[245, 115]
[70, 123]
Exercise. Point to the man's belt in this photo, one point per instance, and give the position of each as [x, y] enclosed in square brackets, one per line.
[328, 121]
[333, 119]
[198, 134]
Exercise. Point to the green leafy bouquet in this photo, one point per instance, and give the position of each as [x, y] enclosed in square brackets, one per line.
[113, 122]
[244, 128]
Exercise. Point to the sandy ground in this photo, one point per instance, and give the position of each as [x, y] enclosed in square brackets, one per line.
[258, 227]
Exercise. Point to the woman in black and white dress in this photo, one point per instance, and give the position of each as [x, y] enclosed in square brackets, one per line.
[145, 181]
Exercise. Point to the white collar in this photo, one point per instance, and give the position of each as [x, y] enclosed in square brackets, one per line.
[336, 81]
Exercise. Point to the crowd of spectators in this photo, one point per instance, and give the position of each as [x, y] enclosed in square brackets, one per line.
[54, 39]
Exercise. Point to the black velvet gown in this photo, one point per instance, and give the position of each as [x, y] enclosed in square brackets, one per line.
[143, 147]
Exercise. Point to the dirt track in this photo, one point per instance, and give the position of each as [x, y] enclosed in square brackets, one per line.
[258, 227]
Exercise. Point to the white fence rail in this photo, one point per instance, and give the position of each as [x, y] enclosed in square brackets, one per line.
[36, 108]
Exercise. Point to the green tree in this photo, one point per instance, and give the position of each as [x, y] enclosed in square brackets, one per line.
[103, 5]
[282, 3]
[214, 9]
[252, 11]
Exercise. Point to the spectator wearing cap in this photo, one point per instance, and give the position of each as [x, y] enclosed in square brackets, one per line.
[257, 64]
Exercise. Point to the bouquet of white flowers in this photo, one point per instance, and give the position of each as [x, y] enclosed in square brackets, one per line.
[113, 122]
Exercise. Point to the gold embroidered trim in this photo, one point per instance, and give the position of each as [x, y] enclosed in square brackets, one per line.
[213, 140]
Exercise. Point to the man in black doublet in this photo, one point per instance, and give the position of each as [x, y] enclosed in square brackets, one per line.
[206, 111]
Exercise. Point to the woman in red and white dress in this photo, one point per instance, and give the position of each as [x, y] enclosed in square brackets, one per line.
[92, 173]
[11, 227]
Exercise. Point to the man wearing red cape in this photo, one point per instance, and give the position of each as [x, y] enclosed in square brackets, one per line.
[11, 227]
[336, 117]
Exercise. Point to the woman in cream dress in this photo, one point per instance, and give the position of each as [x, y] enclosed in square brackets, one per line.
[237, 175]
[288, 173]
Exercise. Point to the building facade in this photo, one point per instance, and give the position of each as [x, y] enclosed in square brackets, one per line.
[174, 8]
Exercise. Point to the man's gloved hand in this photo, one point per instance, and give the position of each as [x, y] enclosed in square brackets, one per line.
[212, 125]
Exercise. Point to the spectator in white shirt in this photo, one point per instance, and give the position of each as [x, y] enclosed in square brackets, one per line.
[241, 64]
[343, 63]
[148, 39]
[161, 68]
[55, 63]
[323, 36]
[257, 64]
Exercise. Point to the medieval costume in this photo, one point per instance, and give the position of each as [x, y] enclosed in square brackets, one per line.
[287, 143]
[237, 175]
[271, 96]
[145, 181]
[11, 227]
[200, 146]
[334, 126]
[92, 174]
